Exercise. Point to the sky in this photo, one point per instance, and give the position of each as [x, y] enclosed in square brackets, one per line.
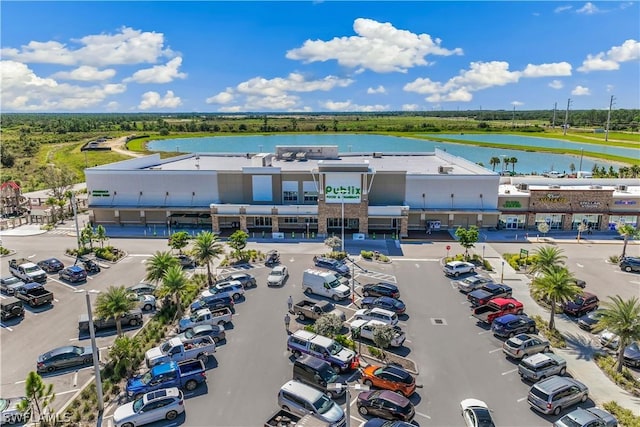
[318, 56]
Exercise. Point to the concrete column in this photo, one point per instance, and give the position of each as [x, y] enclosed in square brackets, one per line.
[604, 222]
[404, 226]
[567, 219]
[143, 218]
[275, 223]
[450, 221]
[322, 216]
[215, 223]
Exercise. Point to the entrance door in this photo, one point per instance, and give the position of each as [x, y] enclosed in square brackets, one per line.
[512, 223]
[353, 224]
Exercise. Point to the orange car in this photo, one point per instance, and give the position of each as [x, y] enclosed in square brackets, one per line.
[390, 377]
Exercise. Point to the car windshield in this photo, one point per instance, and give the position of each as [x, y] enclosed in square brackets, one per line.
[335, 348]
[323, 404]
[334, 284]
[570, 422]
[579, 300]
[484, 418]
[276, 273]
[32, 269]
[78, 350]
[137, 404]
[4, 403]
[327, 308]
[329, 375]
[165, 347]
[146, 378]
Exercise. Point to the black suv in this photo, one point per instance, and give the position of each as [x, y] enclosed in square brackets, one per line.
[213, 302]
[511, 325]
[186, 261]
[630, 264]
[381, 289]
[332, 264]
[247, 280]
[11, 307]
[73, 274]
[51, 265]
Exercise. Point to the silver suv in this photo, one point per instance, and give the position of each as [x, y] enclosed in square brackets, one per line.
[542, 365]
[456, 268]
[556, 393]
[524, 345]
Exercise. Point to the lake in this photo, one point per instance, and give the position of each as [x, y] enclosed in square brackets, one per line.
[528, 162]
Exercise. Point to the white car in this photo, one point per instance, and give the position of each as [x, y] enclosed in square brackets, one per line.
[456, 268]
[233, 288]
[380, 314]
[278, 276]
[366, 328]
[163, 404]
[476, 413]
[609, 340]
[9, 412]
[145, 302]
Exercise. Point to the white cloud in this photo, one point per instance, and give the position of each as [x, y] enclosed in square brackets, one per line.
[128, 46]
[281, 102]
[85, 73]
[556, 84]
[159, 73]
[410, 107]
[222, 98]
[379, 47]
[113, 106]
[561, 9]
[480, 76]
[517, 103]
[580, 91]
[610, 88]
[22, 90]
[628, 51]
[294, 82]
[349, 106]
[588, 9]
[379, 89]
[153, 99]
[231, 109]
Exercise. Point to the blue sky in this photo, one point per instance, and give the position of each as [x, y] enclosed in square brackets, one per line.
[321, 56]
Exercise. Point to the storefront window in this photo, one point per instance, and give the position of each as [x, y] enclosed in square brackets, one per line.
[513, 222]
[290, 196]
[614, 220]
[554, 220]
[591, 221]
[290, 220]
[310, 196]
[334, 222]
[262, 221]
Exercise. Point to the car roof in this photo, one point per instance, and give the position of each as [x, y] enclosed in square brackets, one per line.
[162, 393]
[398, 371]
[382, 311]
[278, 267]
[539, 358]
[62, 350]
[76, 268]
[394, 397]
[507, 318]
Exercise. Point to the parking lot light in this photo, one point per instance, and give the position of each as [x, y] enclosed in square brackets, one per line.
[96, 361]
[339, 386]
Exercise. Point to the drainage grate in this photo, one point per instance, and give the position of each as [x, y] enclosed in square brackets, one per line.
[438, 321]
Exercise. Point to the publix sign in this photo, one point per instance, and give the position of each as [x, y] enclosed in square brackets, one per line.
[342, 187]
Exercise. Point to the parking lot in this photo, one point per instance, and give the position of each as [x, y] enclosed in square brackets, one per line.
[456, 358]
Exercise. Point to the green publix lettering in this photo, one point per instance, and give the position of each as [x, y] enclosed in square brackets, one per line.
[347, 191]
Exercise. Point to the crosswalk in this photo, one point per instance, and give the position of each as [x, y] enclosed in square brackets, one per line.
[238, 269]
[383, 277]
[61, 231]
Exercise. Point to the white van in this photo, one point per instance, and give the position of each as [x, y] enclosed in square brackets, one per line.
[324, 283]
[584, 174]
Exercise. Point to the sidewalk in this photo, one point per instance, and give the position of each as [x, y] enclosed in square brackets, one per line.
[581, 347]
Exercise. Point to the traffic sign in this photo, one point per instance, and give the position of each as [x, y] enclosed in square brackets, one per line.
[448, 247]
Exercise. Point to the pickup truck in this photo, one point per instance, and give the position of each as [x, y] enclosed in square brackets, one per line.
[27, 271]
[283, 418]
[497, 307]
[204, 316]
[487, 292]
[307, 309]
[34, 294]
[366, 329]
[185, 375]
[178, 350]
[132, 318]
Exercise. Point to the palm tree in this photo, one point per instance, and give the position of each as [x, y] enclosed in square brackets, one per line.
[627, 231]
[494, 161]
[174, 284]
[506, 162]
[101, 235]
[623, 319]
[206, 248]
[114, 303]
[158, 265]
[513, 162]
[557, 285]
[546, 257]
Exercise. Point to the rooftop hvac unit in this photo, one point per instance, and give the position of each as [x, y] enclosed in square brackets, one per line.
[445, 169]
[555, 187]
[523, 187]
[595, 187]
[621, 187]
[377, 155]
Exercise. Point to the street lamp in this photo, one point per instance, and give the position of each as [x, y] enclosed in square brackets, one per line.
[502, 273]
[96, 359]
[347, 387]
[74, 205]
[581, 154]
[342, 221]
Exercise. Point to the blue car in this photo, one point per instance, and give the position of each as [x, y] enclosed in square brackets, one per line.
[511, 325]
[387, 303]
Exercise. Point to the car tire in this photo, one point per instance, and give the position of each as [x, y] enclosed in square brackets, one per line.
[216, 340]
[628, 269]
[127, 425]
[88, 360]
[584, 398]
[296, 354]
[147, 307]
[531, 329]
[336, 298]
[545, 350]
[557, 410]
[51, 368]
[236, 297]
[307, 291]
[365, 293]
[133, 322]
[512, 334]
[519, 311]
[302, 317]
[191, 385]
[285, 408]
[171, 415]
[562, 371]
[363, 410]
[203, 358]
[456, 274]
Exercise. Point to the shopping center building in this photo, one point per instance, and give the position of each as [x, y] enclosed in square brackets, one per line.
[314, 189]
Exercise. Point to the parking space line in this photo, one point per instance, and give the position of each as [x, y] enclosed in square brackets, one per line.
[58, 393]
[6, 327]
[495, 349]
[483, 332]
[20, 382]
[511, 371]
[423, 415]
[521, 399]
[62, 283]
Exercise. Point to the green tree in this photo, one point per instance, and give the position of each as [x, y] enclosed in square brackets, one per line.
[59, 181]
[572, 167]
[627, 231]
[238, 241]
[124, 349]
[622, 317]
[467, 237]
[513, 161]
[206, 248]
[39, 397]
[113, 304]
[546, 257]
[556, 285]
[328, 325]
[494, 161]
[158, 265]
[179, 240]
[87, 236]
[174, 285]
[333, 242]
[101, 235]
[382, 336]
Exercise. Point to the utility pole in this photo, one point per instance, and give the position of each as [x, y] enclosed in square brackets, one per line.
[553, 121]
[513, 117]
[566, 117]
[606, 131]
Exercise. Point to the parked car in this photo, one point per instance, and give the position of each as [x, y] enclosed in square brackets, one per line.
[10, 284]
[272, 258]
[510, 325]
[631, 355]
[64, 357]
[233, 288]
[213, 302]
[609, 340]
[386, 303]
[587, 417]
[385, 404]
[630, 264]
[542, 365]
[470, 284]
[487, 292]
[73, 274]
[381, 289]
[386, 316]
[278, 275]
[381, 422]
[366, 328]
[246, 279]
[524, 345]
[391, 377]
[143, 288]
[302, 399]
[145, 302]
[9, 412]
[186, 261]
[589, 320]
[476, 413]
[456, 268]
[51, 265]
[11, 307]
[581, 304]
[214, 331]
[552, 395]
[305, 342]
[164, 404]
[332, 264]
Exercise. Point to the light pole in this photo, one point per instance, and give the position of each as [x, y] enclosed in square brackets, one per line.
[502, 273]
[74, 205]
[482, 253]
[96, 359]
[581, 154]
[348, 387]
[342, 221]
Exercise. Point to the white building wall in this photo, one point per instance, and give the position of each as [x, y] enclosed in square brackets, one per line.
[465, 188]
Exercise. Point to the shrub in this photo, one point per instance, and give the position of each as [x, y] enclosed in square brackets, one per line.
[4, 251]
[383, 258]
[487, 265]
[625, 416]
[374, 352]
[555, 338]
[336, 255]
[346, 342]
[366, 254]
[614, 259]
[624, 379]
[309, 328]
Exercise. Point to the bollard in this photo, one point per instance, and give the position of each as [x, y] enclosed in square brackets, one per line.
[293, 234]
[263, 234]
[313, 235]
[374, 235]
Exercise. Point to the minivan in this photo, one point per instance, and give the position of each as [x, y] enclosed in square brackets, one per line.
[316, 373]
[301, 399]
[552, 395]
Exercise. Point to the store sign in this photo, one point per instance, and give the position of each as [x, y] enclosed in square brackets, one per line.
[100, 193]
[553, 198]
[624, 202]
[512, 204]
[342, 188]
[589, 204]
